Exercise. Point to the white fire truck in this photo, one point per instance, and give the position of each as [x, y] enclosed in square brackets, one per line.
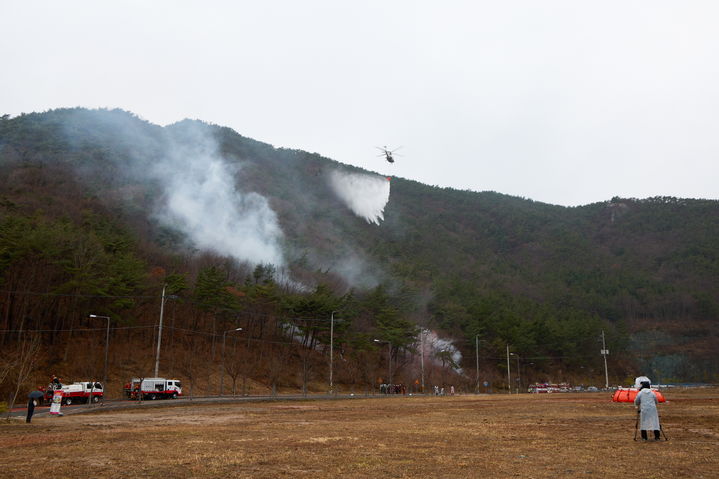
[76, 392]
[153, 388]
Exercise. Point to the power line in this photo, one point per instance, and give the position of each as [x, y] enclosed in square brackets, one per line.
[70, 330]
[68, 295]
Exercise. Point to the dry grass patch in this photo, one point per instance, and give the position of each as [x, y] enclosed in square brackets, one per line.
[524, 436]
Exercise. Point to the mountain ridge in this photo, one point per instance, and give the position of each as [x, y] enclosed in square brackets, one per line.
[509, 269]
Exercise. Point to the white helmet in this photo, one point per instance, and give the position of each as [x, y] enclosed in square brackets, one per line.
[641, 379]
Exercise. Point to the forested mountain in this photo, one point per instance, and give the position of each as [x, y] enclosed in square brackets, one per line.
[100, 209]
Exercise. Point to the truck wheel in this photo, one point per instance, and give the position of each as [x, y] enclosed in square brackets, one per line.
[174, 396]
[68, 401]
[152, 397]
[96, 399]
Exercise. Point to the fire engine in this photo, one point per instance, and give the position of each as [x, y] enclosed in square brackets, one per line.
[153, 388]
[75, 392]
[549, 388]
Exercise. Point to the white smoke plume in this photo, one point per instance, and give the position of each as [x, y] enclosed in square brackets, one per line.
[204, 202]
[356, 270]
[200, 190]
[366, 195]
[434, 345]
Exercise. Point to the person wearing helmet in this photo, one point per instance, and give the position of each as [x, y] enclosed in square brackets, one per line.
[646, 403]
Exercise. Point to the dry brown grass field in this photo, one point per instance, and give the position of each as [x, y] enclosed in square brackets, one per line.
[528, 436]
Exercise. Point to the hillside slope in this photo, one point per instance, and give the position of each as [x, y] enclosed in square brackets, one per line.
[545, 279]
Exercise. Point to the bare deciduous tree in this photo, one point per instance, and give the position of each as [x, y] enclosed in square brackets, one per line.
[26, 356]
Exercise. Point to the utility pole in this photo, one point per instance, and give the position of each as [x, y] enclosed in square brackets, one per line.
[421, 356]
[509, 374]
[159, 331]
[476, 350]
[332, 348]
[519, 372]
[605, 352]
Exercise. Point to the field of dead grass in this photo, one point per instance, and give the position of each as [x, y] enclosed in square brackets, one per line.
[560, 435]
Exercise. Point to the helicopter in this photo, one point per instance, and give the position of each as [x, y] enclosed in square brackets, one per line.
[388, 153]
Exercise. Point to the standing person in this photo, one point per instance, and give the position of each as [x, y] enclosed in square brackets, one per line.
[30, 409]
[646, 403]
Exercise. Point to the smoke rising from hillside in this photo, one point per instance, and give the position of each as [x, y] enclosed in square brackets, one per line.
[200, 193]
[434, 345]
[366, 195]
[204, 202]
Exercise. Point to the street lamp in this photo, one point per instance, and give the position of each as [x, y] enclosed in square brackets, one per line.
[107, 345]
[389, 359]
[519, 373]
[222, 371]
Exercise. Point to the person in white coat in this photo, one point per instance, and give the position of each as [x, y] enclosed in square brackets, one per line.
[646, 403]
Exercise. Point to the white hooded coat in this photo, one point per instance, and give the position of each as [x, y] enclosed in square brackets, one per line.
[646, 401]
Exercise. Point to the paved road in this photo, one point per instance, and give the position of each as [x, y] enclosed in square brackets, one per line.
[118, 404]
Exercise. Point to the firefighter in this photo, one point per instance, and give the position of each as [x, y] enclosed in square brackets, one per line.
[646, 403]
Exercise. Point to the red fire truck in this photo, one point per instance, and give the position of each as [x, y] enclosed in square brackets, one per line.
[153, 388]
[75, 392]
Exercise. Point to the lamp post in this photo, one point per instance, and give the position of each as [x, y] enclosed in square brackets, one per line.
[222, 371]
[389, 359]
[519, 373]
[107, 346]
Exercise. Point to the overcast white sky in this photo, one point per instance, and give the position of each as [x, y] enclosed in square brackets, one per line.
[565, 102]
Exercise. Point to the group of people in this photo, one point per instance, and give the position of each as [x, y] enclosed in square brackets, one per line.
[438, 391]
[402, 389]
[55, 383]
[392, 389]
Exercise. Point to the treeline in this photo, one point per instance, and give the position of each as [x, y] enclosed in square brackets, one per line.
[57, 273]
